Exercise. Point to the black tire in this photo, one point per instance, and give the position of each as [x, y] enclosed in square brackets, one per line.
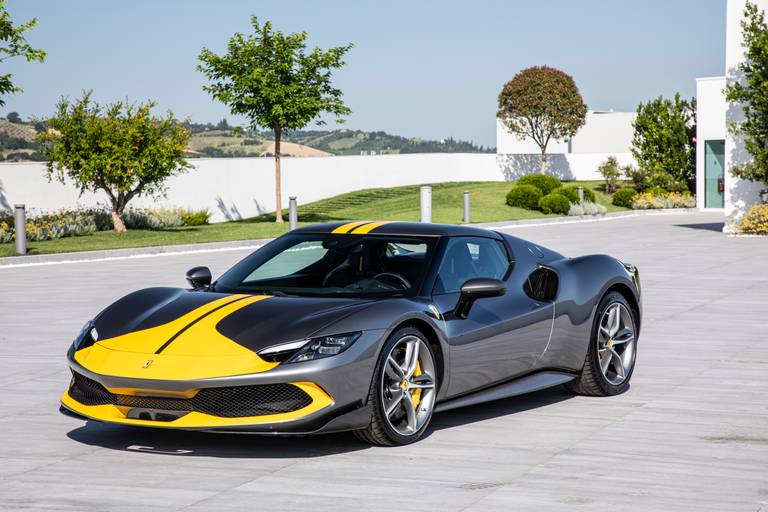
[591, 381]
[379, 431]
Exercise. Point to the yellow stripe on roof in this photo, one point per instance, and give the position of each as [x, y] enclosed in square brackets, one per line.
[367, 228]
[346, 228]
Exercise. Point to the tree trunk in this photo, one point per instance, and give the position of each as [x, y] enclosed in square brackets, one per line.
[543, 169]
[278, 194]
[117, 221]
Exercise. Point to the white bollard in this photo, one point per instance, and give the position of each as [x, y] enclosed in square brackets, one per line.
[293, 213]
[20, 228]
[467, 217]
[580, 190]
[426, 204]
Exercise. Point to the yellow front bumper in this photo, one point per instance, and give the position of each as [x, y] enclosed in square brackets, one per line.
[199, 420]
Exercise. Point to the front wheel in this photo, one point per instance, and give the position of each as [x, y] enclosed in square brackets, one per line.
[612, 350]
[403, 390]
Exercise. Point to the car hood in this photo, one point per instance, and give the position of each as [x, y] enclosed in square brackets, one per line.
[181, 322]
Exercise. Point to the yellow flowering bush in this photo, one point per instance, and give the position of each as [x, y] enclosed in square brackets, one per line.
[755, 220]
[651, 201]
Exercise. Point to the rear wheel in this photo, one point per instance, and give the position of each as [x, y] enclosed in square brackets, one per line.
[612, 350]
[403, 390]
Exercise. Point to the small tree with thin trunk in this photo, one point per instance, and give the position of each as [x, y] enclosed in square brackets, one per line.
[751, 93]
[120, 149]
[270, 78]
[542, 103]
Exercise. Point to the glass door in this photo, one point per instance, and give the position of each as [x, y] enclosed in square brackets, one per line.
[714, 165]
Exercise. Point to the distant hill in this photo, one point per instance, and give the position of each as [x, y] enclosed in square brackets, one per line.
[18, 142]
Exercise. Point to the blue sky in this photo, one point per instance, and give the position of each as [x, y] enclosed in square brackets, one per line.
[422, 69]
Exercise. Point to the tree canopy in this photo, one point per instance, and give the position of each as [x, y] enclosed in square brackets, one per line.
[751, 92]
[13, 43]
[272, 79]
[663, 142]
[121, 149]
[542, 103]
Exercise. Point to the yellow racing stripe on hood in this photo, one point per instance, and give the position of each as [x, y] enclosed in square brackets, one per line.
[198, 352]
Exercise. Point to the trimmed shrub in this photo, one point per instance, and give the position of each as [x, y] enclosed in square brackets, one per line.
[194, 217]
[524, 196]
[544, 182]
[755, 220]
[623, 197]
[554, 203]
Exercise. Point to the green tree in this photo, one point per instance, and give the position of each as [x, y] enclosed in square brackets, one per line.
[272, 79]
[542, 103]
[120, 148]
[610, 170]
[752, 94]
[663, 142]
[13, 43]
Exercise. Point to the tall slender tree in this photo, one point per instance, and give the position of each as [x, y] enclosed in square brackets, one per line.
[272, 79]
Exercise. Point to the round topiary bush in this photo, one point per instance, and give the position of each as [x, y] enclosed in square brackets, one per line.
[524, 196]
[623, 197]
[555, 203]
[544, 182]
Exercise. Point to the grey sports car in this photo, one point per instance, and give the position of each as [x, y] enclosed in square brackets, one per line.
[369, 327]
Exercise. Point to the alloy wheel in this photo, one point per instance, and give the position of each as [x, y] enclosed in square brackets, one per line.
[616, 343]
[408, 385]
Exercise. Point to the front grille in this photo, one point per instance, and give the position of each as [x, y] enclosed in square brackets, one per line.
[226, 402]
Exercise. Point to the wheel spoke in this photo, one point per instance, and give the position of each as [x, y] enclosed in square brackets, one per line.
[410, 411]
[411, 362]
[392, 406]
[616, 325]
[423, 381]
[394, 371]
[605, 361]
[623, 336]
[618, 364]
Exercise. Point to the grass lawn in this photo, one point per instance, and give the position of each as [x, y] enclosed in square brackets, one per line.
[398, 203]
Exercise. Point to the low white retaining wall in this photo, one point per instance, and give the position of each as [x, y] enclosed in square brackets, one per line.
[234, 188]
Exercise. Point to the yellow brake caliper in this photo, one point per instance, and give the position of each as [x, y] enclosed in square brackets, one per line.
[416, 393]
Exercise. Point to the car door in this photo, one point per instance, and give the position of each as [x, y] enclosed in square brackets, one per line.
[502, 337]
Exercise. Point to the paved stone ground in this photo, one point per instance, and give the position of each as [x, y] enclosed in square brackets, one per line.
[691, 434]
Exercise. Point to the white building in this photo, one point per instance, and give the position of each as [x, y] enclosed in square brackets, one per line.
[716, 148]
[604, 134]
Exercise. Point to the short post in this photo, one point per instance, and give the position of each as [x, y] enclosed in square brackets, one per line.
[293, 213]
[764, 195]
[581, 194]
[20, 228]
[426, 204]
[467, 218]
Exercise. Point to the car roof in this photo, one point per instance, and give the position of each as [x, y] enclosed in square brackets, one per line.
[396, 228]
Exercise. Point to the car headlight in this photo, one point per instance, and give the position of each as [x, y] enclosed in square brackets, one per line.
[309, 350]
[88, 336]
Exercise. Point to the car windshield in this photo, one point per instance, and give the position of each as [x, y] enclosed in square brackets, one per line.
[333, 265]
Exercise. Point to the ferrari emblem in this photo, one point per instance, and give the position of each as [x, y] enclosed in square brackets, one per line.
[146, 365]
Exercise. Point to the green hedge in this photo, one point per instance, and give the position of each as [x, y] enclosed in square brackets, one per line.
[554, 203]
[544, 182]
[623, 197]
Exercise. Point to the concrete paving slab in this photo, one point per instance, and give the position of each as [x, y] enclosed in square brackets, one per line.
[691, 433]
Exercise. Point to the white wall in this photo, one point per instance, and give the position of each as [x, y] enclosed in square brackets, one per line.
[567, 167]
[710, 123]
[234, 188]
[739, 194]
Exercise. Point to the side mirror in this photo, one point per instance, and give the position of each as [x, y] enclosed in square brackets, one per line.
[199, 277]
[477, 289]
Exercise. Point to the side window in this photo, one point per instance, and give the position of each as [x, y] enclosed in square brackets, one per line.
[468, 258]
